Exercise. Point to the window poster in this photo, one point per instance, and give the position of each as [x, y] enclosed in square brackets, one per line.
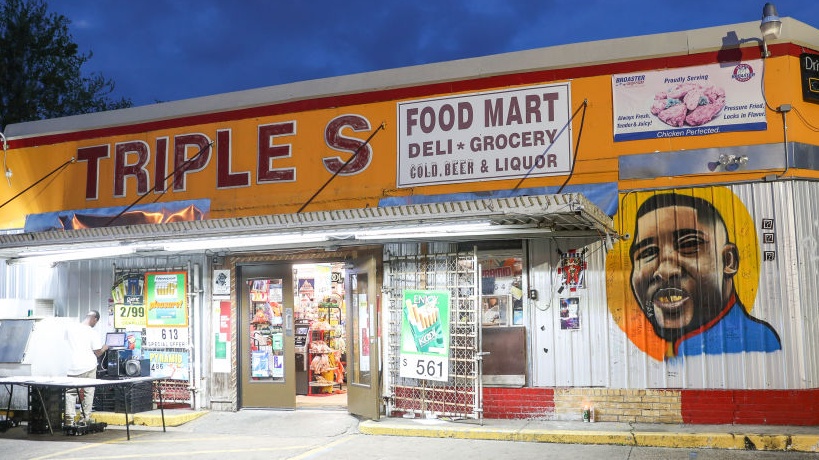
[495, 310]
[221, 342]
[166, 299]
[570, 313]
[425, 335]
[265, 329]
[260, 364]
[170, 365]
[129, 301]
[221, 282]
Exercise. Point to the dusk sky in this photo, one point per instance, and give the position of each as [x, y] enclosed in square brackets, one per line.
[158, 51]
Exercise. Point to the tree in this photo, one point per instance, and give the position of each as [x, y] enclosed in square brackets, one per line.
[40, 67]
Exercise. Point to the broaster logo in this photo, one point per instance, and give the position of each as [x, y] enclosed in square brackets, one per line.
[743, 72]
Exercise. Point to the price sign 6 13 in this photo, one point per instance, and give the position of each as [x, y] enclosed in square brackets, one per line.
[166, 337]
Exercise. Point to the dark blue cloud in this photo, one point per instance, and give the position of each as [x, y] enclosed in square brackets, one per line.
[163, 51]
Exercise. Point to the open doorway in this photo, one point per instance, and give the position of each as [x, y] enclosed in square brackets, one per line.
[320, 335]
[309, 334]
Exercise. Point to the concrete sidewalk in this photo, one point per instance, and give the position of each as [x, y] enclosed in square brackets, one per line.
[744, 437]
[747, 437]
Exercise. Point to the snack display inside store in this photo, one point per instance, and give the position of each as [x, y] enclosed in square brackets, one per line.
[320, 294]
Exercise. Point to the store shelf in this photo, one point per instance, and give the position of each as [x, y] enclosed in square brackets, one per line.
[318, 346]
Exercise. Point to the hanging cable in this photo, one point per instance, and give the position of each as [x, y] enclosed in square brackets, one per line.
[762, 86]
[183, 164]
[560, 133]
[576, 145]
[6, 170]
[355, 154]
[55, 170]
[784, 109]
[805, 120]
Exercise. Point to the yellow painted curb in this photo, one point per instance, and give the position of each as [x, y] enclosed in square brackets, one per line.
[688, 440]
[499, 434]
[577, 437]
[153, 420]
[732, 441]
[805, 443]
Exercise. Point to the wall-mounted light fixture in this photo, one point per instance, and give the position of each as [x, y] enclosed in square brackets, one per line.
[771, 27]
[730, 163]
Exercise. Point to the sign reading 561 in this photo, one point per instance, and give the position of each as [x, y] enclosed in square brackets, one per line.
[425, 367]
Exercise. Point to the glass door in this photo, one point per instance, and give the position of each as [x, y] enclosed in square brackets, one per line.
[363, 386]
[267, 369]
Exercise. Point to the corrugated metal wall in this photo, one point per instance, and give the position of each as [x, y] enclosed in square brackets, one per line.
[26, 282]
[78, 286]
[569, 357]
[805, 200]
[601, 354]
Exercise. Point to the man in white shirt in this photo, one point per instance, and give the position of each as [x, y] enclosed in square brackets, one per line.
[84, 347]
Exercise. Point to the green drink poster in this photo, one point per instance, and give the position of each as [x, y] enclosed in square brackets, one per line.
[166, 299]
[425, 335]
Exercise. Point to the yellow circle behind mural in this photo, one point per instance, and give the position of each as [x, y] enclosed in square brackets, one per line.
[625, 309]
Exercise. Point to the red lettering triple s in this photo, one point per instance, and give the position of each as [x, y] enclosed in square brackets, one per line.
[192, 153]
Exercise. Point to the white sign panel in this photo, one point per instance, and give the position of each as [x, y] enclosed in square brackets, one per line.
[506, 134]
[221, 282]
[693, 101]
[425, 335]
[166, 337]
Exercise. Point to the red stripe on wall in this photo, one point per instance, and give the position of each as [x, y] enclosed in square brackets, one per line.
[750, 407]
[365, 97]
[518, 403]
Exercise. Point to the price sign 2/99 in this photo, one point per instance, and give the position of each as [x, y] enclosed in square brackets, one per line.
[129, 315]
[424, 367]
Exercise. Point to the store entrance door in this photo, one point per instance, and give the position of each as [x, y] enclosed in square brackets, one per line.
[363, 302]
[266, 365]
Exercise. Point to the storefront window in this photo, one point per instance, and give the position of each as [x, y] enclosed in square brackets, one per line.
[501, 289]
[266, 332]
[360, 364]
[503, 335]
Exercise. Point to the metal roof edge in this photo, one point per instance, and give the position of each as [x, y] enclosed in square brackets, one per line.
[575, 210]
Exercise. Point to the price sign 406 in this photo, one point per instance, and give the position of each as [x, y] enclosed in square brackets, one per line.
[425, 367]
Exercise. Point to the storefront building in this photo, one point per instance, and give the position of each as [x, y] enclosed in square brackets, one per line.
[620, 225]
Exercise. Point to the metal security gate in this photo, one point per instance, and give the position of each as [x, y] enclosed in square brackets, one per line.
[461, 395]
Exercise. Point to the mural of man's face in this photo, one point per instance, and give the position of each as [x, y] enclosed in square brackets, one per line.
[682, 269]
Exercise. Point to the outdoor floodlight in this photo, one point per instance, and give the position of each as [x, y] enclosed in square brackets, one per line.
[771, 26]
